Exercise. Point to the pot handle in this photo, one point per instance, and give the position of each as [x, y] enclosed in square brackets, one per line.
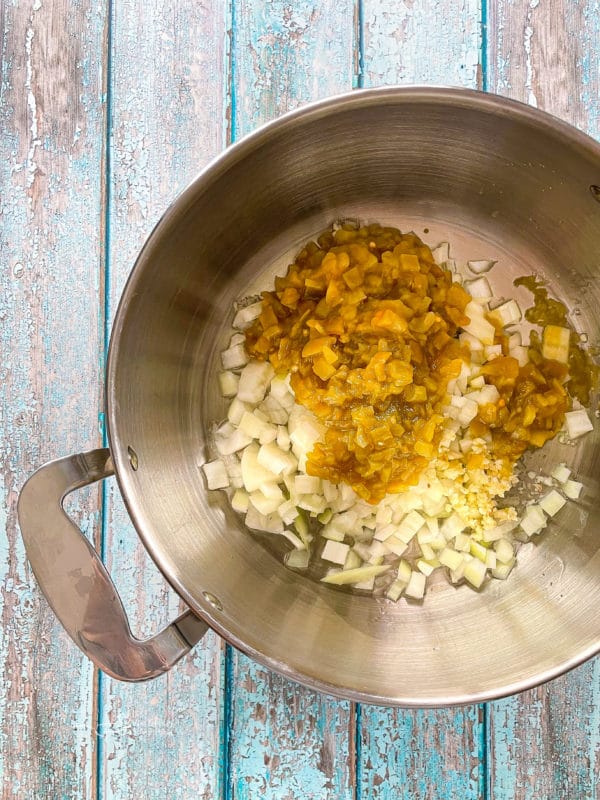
[76, 583]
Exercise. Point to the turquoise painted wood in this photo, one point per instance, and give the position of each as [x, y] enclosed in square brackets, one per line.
[549, 58]
[106, 111]
[405, 753]
[162, 738]
[427, 42]
[285, 741]
[51, 320]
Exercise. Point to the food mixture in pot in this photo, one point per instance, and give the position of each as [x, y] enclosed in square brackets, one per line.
[381, 404]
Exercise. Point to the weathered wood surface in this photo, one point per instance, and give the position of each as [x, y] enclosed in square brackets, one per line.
[406, 753]
[51, 251]
[106, 111]
[284, 741]
[548, 55]
[161, 738]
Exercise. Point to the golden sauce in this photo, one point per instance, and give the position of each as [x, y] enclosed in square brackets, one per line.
[366, 323]
[583, 372]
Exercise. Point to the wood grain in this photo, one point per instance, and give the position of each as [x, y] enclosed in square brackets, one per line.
[426, 754]
[548, 54]
[426, 42]
[407, 753]
[285, 742]
[51, 242]
[161, 739]
[287, 54]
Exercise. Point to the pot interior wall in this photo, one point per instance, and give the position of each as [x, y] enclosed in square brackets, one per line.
[495, 181]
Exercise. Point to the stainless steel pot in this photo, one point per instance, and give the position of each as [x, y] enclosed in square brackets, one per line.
[493, 177]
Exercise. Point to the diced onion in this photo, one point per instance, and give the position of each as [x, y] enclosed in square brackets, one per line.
[254, 380]
[572, 489]
[578, 423]
[234, 357]
[228, 383]
[246, 315]
[416, 586]
[484, 265]
[356, 575]
[216, 474]
[552, 502]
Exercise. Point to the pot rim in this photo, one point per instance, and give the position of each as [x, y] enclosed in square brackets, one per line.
[466, 98]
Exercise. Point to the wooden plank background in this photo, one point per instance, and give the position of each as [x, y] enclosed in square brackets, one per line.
[106, 110]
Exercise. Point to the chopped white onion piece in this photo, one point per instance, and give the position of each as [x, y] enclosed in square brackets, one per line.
[216, 474]
[367, 585]
[273, 410]
[483, 265]
[336, 552]
[475, 572]
[572, 489]
[288, 512]
[534, 520]
[578, 423]
[504, 550]
[295, 540]
[332, 531]
[264, 504]
[452, 525]
[416, 586]
[254, 380]
[297, 559]
[228, 383]
[356, 575]
[478, 326]
[353, 560]
[502, 571]
[235, 357]
[561, 473]
[520, 353]
[555, 343]
[425, 567]
[441, 253]
[396, 546]
[239, 501]
[246, 315]
[404, 571]
[478, 550]
[552, 502]
[227, 445]
[508, 313]
[275, 460]
[499, 531]
[395, 589]
[409, 526]
[473, 343]
[283, 438]
[261, 522]
[315, 503]
[307, 484]
[480, 289]
[253, 473]
[492, 351]
[462, 542]
[450, 558]
[236, 411]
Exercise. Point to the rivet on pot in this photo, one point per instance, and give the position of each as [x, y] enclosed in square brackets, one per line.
[595, 190]
[133, 459]
[214, 601]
